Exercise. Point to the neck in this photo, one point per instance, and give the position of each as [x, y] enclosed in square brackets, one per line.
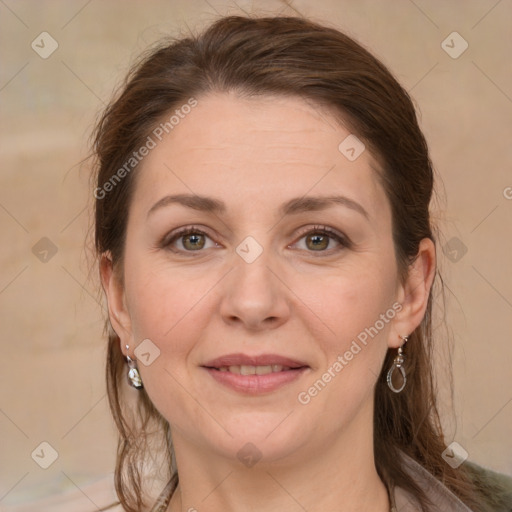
[340, 475]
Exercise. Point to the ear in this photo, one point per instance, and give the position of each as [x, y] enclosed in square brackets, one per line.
[114, 292]
[414, 293]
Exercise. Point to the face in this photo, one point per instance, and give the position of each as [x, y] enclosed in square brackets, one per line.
[275, 269]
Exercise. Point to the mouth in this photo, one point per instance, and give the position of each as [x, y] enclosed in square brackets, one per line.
[255, 374]
[246, 364]
[255, 370]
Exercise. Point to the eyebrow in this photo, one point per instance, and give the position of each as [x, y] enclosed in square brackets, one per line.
[293, 206]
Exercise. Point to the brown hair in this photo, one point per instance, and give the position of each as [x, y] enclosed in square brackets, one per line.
[286, 56]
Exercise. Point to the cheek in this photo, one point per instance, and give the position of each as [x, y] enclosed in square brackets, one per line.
[348, 300]
[173, 311]
[355, 312]
[357, 308]
[160, 296]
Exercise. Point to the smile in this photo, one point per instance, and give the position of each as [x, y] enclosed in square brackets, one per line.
[253, 370]
[255, 380]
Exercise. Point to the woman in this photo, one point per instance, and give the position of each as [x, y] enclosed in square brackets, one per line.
[266, 250]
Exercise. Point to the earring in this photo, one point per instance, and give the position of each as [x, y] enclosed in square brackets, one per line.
[133, 373]
[398, 365]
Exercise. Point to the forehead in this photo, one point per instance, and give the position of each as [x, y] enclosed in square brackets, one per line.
[261, 149]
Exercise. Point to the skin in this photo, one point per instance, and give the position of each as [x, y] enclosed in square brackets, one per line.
[295, 299]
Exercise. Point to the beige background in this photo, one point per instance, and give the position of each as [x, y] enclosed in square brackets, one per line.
[52, 349]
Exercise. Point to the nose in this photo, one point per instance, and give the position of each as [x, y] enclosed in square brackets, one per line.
[254, 296]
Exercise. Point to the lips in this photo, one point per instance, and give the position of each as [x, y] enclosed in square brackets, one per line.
[265, 360]
[254, 375]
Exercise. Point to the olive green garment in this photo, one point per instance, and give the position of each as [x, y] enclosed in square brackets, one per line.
[443, 499]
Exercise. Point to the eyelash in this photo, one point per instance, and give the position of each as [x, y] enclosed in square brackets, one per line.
[323, 230]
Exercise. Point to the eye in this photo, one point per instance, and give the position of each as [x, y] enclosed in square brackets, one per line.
[188, 240]
[321, 239]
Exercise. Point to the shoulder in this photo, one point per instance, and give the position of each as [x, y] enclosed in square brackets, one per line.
[496, 486]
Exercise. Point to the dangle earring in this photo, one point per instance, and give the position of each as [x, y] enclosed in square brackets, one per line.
[398, 365]
[133, 373]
